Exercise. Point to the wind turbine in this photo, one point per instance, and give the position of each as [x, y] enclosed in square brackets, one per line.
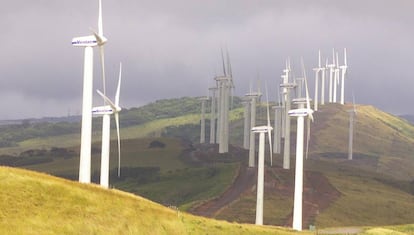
[224, 84]
[260, 165]
[352, 114]
[286, 86]
[331, 72]
[88, 42]
[323, 70]
[213, 115]
[203, 119]
[301, 112]
[253, 96]
[278, 125]
[343, 72]
[317, 70]
[336, 80]
[246, 124]
[106, 111]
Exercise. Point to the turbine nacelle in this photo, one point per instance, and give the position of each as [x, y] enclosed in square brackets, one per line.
[300, 112]
[85, 41]
[259, 129]
[102, 110]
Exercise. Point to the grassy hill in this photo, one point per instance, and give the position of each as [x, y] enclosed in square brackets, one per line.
[34, 203]
[374, 189]
[383, 143]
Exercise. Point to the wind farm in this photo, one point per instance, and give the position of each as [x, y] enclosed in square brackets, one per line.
[197, 162]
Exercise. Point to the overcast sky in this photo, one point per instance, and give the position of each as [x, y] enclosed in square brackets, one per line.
[172, 49]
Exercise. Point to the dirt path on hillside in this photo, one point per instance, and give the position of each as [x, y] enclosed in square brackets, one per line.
[318, 194]
[245, 180]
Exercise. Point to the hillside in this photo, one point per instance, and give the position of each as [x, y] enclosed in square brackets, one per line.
[378, 185]
[34, 203]
[383, 143]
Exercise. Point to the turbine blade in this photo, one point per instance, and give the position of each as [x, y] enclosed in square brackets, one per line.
[307, 138]
[119, 85]
[345, 57]
[319, 61]
[107, 100]
[100, 25]
[119, 143]
[229, 65]
[224, 65]
[102, 54]
[268, 126]
[306, 85]
[337, 60]
[267, 108]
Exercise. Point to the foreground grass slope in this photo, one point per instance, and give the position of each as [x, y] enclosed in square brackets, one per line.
[34, 203]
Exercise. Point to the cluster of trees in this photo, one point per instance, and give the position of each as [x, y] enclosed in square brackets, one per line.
[10, 135]
[36, 156]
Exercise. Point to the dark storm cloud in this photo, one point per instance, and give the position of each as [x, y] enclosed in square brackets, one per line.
[172, 48]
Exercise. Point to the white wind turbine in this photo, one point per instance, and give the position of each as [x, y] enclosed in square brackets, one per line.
[88, 42]
[246, 123]
[278, 125]
[213, 115]
[106, 111]
[260, 165]
[343, 72]
[287, 87]
[331, 73]
[300, 113]
[336, 80]
[323, 70]
[317, 70]
[253, 97]
[203, 119]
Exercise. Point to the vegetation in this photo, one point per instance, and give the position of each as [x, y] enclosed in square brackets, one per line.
[34, 203]
[376, 189]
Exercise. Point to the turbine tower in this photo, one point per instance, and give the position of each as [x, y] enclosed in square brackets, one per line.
[331, 72]
[203, 119]
[253, 96]
[246, 124]
[213, 91]
[300, 113]
[336, 80]
[224, 84]
[287, 87]
[323, 91]
[106, 111]
[278, 126]
[260, 165]
[317, 70]
[88, 42]
[343, 72]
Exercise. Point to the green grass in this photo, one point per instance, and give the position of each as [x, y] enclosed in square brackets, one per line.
[376, 134]
[365, 201]
[34, 203]
[185, 187]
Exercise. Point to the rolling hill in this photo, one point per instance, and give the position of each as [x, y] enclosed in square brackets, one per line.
[375, 189]
[34, 203]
